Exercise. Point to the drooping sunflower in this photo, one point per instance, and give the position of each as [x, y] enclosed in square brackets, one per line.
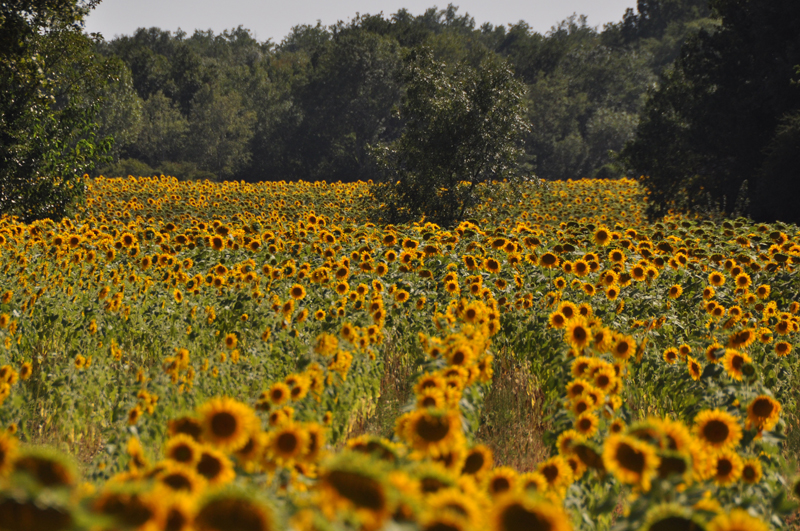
[763, 413]
[630, 460]
[227, 423]
[520, 512]
[717, 429]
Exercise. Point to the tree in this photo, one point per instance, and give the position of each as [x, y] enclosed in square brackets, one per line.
[462, 129]
[51, 87]
[708, 127]
[221, 130]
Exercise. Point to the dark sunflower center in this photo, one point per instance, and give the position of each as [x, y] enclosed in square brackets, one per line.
[474, 462]
[603, 381]
[231, 514]
[518, 518]
[500, 484]
[763, 408]
[209, 466]
[550, 472]
[177, 481]
[362, 491]
[223, 424]
[749, 473]
[675, 523]
[182, 453]
[737, 362]
[579, 334]
[716, 431]
[671, 465]
[428, 401]
[630, 458]
[432, 429]
[585, 424]
[724, 467]
[287, 442]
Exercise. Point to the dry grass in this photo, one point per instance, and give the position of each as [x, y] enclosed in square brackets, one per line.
[511, 424]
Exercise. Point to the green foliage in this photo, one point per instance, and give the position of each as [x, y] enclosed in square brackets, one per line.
[51, 87]
[461, 129]
[708, 127]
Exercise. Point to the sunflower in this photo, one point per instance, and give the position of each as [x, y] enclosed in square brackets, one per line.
[695, 369]
[231, 341]
[557, 320]
[675, 291]
[577, 334]
[742, 280]
[716, 279]
[752, 471]
[180, 478]
[433, 431]
[549, 260]
[288, 443]
[8, 452]
[520, 512]
[624, 347]
[457, 503]
[586, 424]
[733, 363]
[671, 355]
[181, 448]
[500, 480]
[227, 423]
[725, 467]
[737, 520]
[234, 510]
[717, 429]
[763, 413]
[630, 460]
[186, 425]
[215, 467]
[742, 339]
[557, 472]
[351, 482]
[783, 348]
[669, 516]
[297, 292]
[48, 467]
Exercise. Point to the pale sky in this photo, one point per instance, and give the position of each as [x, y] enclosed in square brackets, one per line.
[274, 19]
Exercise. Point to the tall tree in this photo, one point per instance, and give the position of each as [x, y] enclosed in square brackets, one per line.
[51, 87]
[706, 130]
[462, 129]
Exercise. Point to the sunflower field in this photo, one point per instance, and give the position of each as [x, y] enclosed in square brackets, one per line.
[232, 356]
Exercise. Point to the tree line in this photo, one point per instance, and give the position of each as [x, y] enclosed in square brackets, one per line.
[698, 97]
